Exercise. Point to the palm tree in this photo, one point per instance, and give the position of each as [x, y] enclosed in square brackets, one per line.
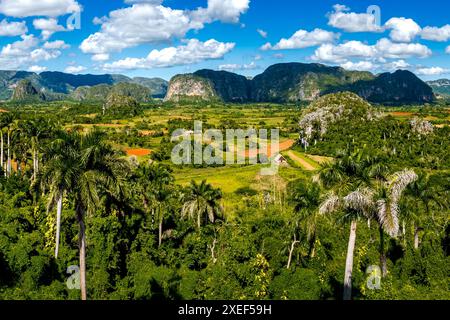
[156, 189]
[349, 178]
[5, 120]
[306, 200]
[202, 199]
[387, 208]
[356, 205]
[84, 166]
[420, 195]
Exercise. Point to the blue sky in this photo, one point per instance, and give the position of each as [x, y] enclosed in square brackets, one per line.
[155, 38]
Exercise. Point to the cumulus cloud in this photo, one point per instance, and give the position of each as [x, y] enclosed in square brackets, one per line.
[75, 69]
[100, 57]
[193, 51]
[37, 69]
[359, 66]
[396, 65]
[391, 50]
[238, 67]
[262, 33]
[342, 52]
[47, 27]
[383, 49]
[402, 29]
[58, 44]
[432, 71]
[303, 39]
[351, 21]
[25, 52]
[436, 34]
[228, 11]
[12, 29]
[146, 22]
[29, 8]
[136, 25]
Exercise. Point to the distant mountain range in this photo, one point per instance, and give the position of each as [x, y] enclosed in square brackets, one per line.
[280, 83]
[58, 85]
[295, 82]
[440, 87]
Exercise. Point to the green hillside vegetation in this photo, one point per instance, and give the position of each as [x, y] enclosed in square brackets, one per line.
[153, 230]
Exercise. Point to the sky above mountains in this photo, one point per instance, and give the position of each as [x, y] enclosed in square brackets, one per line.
[156, 38]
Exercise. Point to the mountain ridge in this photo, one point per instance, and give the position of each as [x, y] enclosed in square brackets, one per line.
[297, 82]
[58, 84]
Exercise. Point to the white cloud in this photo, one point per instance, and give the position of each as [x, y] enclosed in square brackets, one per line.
[447, 50]
[359, 66]
[266, 46]
[262, 33]
[37, 69]
[391, 50]
[100, 57]
[436, 34]
[146, 22]
[352, 22]
[48, 27]
[193, 51]
[228, 11]
[396, 65]
[24, 53]
[303, 39]
[58, 44]
[402, 29]
[75, 69]
[383, 49]
[136, 25]
[238, 67]
[29, 8]
[12, 29]
[340, 53]
[432, 71]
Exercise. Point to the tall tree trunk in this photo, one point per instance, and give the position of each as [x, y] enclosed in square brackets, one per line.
[291, 251]
[8, 165]
[383, 259]
[82, 245]
[312, 245]
[58, 224]
[349, 262]
[2, 156]
[160, 232]
[34, 164]
[416, 237]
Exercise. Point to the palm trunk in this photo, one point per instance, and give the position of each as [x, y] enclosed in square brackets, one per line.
[416, 237]
[160, 232]
[383, 259]
[8, 165]
[82, 245]
[199, 218]
[58, 224]
[349, 262]
[291, 251]
[2, 156]
[34, 164]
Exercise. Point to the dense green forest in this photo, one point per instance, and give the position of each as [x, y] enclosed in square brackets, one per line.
[71, 197]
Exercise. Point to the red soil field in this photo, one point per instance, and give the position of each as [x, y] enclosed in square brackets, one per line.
[138, 152]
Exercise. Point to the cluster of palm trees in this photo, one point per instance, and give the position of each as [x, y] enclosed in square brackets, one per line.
[361, 187]
[86, 170]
